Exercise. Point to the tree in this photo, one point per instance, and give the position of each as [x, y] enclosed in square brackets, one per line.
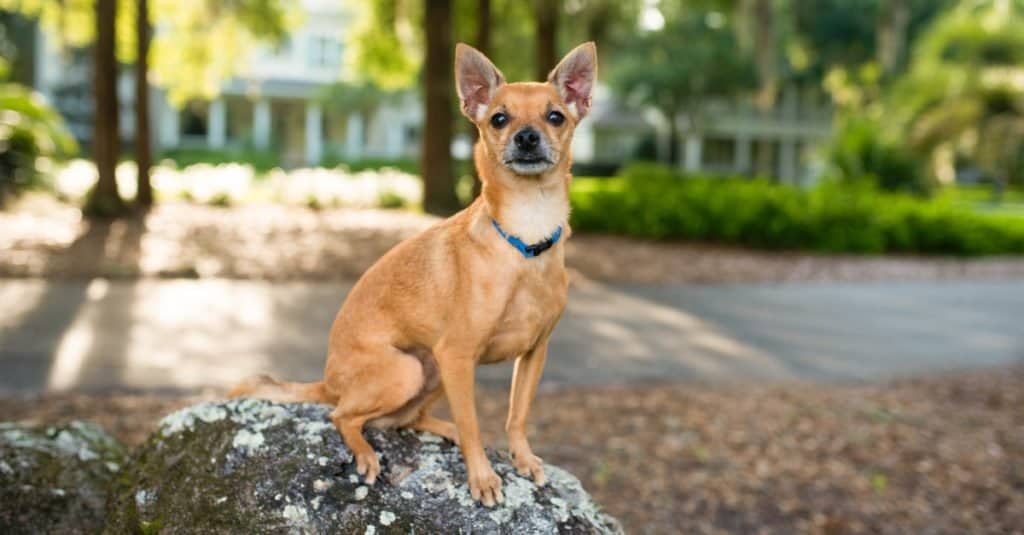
[893, 18]
[762, 19]
[963, 92]
[143, 138]
[483, 44]
[677, 76]
[436, 162]
[546, 14]
[104, 200]
[483, 26]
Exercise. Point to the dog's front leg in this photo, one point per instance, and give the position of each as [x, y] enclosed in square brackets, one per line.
[457, 375]
[524, 386]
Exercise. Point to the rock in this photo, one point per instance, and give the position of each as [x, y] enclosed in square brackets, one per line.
[251, 466]
[55, 479]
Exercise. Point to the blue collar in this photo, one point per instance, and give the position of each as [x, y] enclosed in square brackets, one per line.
[532, 250]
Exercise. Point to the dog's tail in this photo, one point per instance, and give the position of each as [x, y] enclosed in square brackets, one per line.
[266, 387]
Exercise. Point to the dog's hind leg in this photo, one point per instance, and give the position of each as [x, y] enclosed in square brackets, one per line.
[431, 424]
[396, 379]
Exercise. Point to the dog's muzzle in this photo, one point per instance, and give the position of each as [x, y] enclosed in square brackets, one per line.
[528, 153]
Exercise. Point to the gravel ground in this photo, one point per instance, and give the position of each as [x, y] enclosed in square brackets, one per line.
[937, 455]
[43, 238]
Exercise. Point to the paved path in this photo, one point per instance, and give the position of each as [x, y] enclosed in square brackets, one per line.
[190, 333]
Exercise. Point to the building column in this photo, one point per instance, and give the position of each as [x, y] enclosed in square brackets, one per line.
[787, 160]
[694, 145]
[741, 158]
[354, 135]
[261, 124]
[169, 125]
[217, 125]
[393, 134]
[314, 133]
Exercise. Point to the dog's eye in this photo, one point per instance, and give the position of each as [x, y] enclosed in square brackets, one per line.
[556, 118]
[499, 120]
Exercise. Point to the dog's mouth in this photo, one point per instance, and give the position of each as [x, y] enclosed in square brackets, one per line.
[529, 165]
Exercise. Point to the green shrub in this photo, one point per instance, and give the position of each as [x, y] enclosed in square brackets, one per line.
[655, 202]
[29, 130]
[391, 200]
[859, 151]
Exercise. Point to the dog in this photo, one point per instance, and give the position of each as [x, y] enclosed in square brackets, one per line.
[485, 285]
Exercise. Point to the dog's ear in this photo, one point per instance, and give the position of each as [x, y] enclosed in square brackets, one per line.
[574, 78]
[477, 79]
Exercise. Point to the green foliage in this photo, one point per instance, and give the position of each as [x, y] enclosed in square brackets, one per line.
[674, 74]
[859, 150]
[383, 45]
[843, 34]
[262, 161]
[200, 44]
[964, 90]
[391, 200]
[29, 129]
[655, 202]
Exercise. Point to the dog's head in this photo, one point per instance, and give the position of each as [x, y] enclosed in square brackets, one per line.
[526, 127]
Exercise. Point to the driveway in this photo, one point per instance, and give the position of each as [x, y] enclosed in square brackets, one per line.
[185, 334]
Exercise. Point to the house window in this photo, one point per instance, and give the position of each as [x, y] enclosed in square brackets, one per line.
[194, 119]
[719, 152]
[324, 52]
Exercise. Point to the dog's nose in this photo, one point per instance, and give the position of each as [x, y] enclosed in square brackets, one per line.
[527, 139]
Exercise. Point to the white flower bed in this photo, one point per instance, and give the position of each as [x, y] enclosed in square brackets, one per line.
[237, 183]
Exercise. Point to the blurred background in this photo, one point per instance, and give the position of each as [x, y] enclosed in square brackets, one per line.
[797, 260]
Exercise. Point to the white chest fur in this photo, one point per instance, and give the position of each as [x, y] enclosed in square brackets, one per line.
[533, 215]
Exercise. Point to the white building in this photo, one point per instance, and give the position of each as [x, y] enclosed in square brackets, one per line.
[726, 140]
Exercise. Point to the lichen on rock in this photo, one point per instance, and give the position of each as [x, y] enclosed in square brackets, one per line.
[247, 466]
[55, 479]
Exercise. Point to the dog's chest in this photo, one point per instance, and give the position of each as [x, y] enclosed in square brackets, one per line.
[532, 310]
[533, 216]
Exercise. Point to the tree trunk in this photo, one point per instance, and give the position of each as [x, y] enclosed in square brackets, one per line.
[764, 159]
[546, 12]
[600, 21]
[436, 164]
[104, 200]
[763, 19]
[673, 138]
[483, 44]
[893, 18]
[143, 147]
[483, 26]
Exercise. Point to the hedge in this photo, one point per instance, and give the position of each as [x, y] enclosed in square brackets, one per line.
[652, 201]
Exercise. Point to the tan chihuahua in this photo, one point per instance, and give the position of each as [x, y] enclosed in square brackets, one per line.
[485, 285]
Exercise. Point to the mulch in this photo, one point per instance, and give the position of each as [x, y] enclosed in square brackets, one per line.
[937, 455]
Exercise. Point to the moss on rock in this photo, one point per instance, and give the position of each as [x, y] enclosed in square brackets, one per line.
[249, 466]
[55, 479]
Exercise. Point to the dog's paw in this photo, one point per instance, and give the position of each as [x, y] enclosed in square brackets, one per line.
[368, 466]
[485, 487]
[529, 465]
